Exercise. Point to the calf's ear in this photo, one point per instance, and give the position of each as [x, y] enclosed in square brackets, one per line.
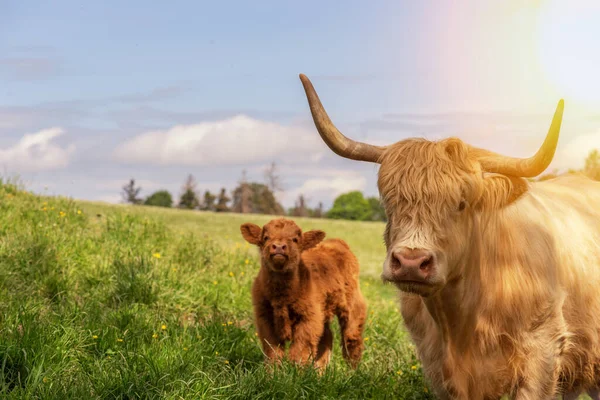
[312, 238]
[251, 232]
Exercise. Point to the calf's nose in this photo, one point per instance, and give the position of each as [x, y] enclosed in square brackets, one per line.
[278, 248]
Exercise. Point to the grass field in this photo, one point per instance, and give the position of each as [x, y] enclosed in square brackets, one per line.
[102, 301]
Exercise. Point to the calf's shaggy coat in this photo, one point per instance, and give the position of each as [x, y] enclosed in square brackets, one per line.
[303, 282]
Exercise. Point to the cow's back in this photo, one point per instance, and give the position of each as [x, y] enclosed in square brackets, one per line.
[331, 261]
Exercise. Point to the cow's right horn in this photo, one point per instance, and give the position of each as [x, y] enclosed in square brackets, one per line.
[340, 144]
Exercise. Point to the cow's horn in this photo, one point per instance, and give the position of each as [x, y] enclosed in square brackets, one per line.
[340, 144]
[525, 167]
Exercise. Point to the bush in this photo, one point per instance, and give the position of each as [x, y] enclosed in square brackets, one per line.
[162, 198]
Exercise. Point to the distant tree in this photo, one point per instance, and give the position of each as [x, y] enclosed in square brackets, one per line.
[222, 201]
[318, 212]
[189, 198]
[377, 211]
[273, 180]
[300, 209]
[161, 198]
[208, 204]
[255, 198]
[130, 193]
[242, 196]
[592, 165]
[351, 205]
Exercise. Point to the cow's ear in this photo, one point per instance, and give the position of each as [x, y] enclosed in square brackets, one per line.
[251, 232]
[499, 191]
[312, 238]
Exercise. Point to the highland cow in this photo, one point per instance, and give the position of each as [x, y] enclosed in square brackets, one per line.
[303, 282]
[499, 277]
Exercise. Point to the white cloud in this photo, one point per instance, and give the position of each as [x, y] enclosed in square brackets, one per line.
[238, 140]
[37, 152]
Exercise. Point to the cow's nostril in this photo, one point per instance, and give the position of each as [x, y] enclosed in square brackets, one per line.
[274, 247]
[426, 263]
[283, 247]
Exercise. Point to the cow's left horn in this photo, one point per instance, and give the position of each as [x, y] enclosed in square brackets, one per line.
[525, 167]
[340, 144]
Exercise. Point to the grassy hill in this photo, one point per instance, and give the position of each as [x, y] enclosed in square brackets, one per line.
[102, 301]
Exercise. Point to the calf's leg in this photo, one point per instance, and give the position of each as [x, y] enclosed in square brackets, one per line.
[324, 347]
[305, 337]
[352, 322]
[273, 347]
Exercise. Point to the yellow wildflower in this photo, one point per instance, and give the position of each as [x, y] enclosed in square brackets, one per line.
[229, 323]
[414, 367]
[95, 337]
[231, 274]
[247, 261]
[62, 213]
[45, 209]
[154, 336]
[174, 269]
[242, 273]
[185, 349]
[156, 255]
[216, 353]
[367, 339]
[163, 327]
[367, 284]
[215, 282]
[79, 212]
[223, 324]
[119, 340]
[45, 380]
[226, 362]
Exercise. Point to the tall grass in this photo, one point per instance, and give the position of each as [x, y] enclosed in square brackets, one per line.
[104, 301]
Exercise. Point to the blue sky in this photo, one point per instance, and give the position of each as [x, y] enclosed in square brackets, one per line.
[92, 94]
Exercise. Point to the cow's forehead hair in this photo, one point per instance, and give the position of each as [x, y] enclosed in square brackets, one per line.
[422, 182]
[425, 176]
[282, 227]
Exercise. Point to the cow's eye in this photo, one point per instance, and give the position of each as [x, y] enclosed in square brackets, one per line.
[295, 240]
[462, 205]
[266, 238]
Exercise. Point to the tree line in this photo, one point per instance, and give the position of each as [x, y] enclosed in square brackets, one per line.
[257, 198]
[261, 197]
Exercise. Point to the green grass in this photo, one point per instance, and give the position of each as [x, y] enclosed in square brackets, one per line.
[89, 310]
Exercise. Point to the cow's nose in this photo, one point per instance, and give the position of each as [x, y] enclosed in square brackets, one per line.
[413, 262]
[278, 248]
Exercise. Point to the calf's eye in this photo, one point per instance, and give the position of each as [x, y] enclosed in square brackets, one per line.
[266, 238]
[295, 240]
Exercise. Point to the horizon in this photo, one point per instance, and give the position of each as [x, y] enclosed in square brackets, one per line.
[96, 94]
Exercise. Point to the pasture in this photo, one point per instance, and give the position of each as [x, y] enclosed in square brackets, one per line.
[104, 301]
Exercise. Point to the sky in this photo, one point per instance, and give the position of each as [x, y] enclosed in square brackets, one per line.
[95, 93]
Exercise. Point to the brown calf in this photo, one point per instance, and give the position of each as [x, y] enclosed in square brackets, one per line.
[302, 283]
